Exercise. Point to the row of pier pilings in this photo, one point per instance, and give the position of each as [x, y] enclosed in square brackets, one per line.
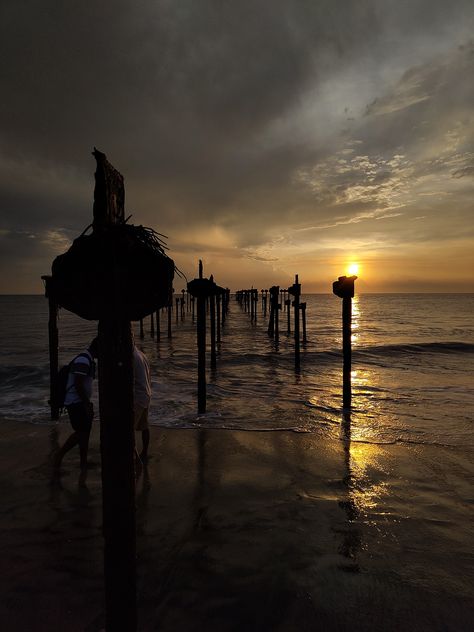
[276, 300]
[184, 306]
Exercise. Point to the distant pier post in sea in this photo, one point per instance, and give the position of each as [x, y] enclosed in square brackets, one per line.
[152, 325]
[218, 318]
[212, 314]
[157, 325]
[295, 291]
[274, 305]
[169, 310]
[344, 288]
[303, 320]
[288, 314]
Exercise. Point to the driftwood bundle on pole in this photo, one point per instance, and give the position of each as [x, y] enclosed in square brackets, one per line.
[344, 288]
[117, 274]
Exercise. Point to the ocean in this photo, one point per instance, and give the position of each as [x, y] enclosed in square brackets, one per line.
[411, 370]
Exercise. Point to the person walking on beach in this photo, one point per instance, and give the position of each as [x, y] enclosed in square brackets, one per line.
[142, 397]
[78, 403]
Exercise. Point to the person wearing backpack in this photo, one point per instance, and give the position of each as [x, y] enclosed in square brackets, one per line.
[77, 401]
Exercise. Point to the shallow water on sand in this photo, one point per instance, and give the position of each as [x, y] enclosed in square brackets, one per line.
[350, 522]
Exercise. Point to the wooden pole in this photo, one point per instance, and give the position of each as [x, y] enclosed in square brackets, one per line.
[142, 335]
[170, 307]
[277, 309]
[303, 320]
[218, 318]
[118, 473]
[212, 300]
[347, 351]
[53, 338]
[152, 325]
[201, 342]
[296, 303]
[158, 335]
[117, 440]
[344, 288]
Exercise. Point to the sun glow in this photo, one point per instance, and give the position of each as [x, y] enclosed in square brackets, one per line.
[353, 268]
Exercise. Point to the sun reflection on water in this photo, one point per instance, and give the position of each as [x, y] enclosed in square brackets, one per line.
[362, 461]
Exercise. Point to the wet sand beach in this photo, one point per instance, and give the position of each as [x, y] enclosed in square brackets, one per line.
[244, 531]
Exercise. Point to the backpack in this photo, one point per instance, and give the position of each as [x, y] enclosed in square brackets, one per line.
[60, 384]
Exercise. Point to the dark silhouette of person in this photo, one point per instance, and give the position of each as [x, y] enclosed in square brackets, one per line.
[78, 403]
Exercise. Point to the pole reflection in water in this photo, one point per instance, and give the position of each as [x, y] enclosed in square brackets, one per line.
[352, 537]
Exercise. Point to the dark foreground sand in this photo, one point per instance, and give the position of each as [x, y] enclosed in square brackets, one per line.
[244, 531]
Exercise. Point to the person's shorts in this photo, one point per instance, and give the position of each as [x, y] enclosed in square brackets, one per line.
[80, 417]
[141, 418]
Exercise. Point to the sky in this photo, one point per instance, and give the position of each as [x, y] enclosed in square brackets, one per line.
[266, 137]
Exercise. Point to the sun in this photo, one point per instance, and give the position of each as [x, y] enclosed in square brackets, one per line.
[353, 268]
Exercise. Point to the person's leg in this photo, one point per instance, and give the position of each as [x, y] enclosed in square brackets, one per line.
[70, 443]
[83, 440]
[145, 444]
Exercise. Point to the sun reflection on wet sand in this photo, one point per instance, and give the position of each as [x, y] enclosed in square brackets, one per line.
[363, 494]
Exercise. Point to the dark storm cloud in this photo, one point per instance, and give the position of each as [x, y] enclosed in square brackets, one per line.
[183, 97]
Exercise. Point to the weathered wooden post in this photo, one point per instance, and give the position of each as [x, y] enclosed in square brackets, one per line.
[53, 338]
[158, 334]
[295, 290]
[225, 304]
[344, 288]
[274, 293]
[303, 320]
[201, 288]
[169, 308]
[275, 306]
[218, 317]
[142, 335]
[212, 311]
[106, 277]
[152, 325]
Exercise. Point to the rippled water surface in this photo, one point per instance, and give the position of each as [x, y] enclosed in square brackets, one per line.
[412, 368]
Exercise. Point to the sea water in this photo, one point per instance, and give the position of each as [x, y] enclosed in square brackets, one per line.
[411, 370]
